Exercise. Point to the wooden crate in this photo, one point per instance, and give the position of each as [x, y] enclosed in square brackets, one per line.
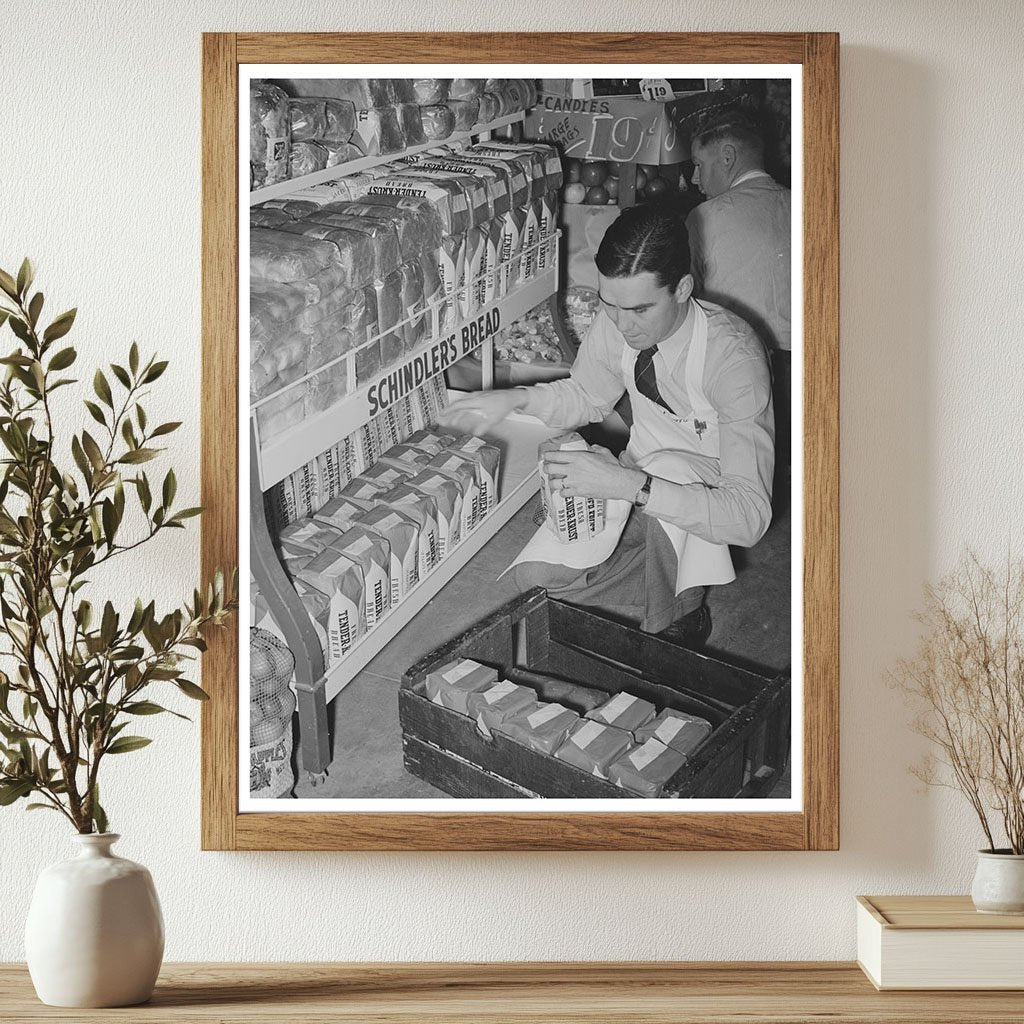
[749, 711]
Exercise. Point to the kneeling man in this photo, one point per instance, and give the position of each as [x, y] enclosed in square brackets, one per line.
[698, 466]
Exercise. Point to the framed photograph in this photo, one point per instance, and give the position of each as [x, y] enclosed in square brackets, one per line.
[428, 261]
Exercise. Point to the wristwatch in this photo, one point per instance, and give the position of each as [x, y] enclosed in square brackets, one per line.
[644, 493]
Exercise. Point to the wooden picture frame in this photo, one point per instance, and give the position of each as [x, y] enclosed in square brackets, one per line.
[816, 826]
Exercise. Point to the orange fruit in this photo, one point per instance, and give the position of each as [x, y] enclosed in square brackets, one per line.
[597, 195]
[594, 172]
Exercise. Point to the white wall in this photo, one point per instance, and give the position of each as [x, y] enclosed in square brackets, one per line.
[101, 185]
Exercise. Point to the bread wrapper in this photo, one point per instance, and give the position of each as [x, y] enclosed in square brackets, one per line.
[421, 509]
[307, 157]
[428, 91]
[279, 255]
[402, 536]
[361, 92]
[408, 455]
[341, 580]
[381, 249]
[464, 469]
[372, 554]
[487, 461]
[385, 475]
[451, 685]
[575, 518]
[437, 121]
[489, 708]
[541, 727]
[465, 112]
[430, 440]
[269, 134]
[336, 466]
[365, 488]
[342, 512]
[465, 88]
[676, 729]
[624, 711]
[379, 130]
[592, 747]
[309, 534]
[645, 769]
[267, 217]
[447, 494]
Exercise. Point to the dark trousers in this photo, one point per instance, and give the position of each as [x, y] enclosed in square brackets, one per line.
[637, 583]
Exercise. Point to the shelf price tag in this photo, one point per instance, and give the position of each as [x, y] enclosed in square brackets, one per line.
[655, 89]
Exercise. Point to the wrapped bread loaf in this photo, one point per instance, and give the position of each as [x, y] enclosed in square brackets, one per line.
[305, 158]
[490, 708]
[421, 509]
[341, 580]
[402, 536]
[437, 122]
[428, 91]
[461, 468]
[624, 711]
[645, 769]
[539, 726]
[372, 554]
[260, 217]
[465, 88]
[295, 208]
[269, 134]
[593, 746]
[279, 255]
[450, 686]
[447, 494]
[490, 108]
[341, 512]
[361, 92]
[379, 131]
[675, 729]
[465, 112]
[308, 119]
[411, 124]
[375, 242]
[575, 518]
[326, 388]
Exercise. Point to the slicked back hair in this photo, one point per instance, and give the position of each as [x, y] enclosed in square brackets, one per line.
[735, 126]
[646, 239]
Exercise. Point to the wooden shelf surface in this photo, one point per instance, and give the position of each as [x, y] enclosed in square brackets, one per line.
[566, 993]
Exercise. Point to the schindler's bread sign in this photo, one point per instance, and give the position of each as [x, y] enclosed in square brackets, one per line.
[570, 519]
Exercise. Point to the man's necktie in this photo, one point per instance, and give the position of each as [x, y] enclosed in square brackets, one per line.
[646, 381]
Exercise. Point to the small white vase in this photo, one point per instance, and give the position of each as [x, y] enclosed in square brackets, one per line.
[95, 933]
[999, 882]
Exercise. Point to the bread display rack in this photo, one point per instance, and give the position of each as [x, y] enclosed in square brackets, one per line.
[273, 459]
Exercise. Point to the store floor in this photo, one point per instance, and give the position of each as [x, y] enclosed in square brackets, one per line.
[751, 623]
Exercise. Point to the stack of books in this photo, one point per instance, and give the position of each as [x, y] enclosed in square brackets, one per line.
[938, 942]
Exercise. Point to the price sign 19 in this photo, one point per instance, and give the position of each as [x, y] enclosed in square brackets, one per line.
[655, 89]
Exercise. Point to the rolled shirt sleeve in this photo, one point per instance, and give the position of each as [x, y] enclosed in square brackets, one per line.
[592, 388]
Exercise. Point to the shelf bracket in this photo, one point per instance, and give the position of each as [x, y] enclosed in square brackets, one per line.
[293, 620]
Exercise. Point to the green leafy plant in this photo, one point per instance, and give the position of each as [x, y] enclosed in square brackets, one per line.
[82, 672]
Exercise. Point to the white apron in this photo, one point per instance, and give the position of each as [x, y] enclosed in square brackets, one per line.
[666, 438]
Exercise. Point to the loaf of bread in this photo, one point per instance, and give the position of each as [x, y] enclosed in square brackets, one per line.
[269, 134]
[428, 91]
[645, 769]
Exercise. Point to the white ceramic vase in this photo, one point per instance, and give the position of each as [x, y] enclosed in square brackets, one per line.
[95, 933]
[999, 883]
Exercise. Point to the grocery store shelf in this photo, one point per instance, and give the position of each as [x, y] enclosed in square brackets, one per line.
[281, 189]
[518, 437]
[281, 455]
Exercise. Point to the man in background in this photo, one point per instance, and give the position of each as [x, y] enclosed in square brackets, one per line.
[740, 239]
